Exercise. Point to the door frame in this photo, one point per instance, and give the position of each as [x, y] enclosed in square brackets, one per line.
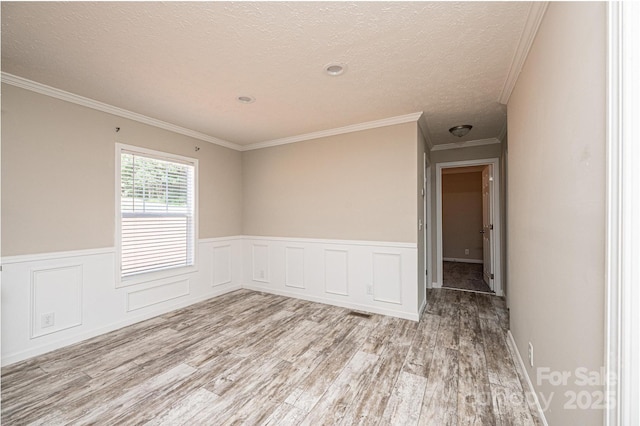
[427, 223]
[497, 219]
[622, 315]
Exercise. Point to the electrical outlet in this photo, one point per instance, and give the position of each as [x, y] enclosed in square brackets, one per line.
[47, 320]
[262, 274]
[466, 251]
[530, 354]
[370, 289]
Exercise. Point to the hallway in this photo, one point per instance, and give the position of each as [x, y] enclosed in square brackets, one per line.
[464, 276]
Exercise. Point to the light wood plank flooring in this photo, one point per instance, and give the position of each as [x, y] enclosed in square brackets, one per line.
[254, 358]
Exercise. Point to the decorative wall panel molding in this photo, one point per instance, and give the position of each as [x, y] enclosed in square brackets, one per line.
[336, 272]
[260, 260]
[222, 265]
[157, 294]
[56, 299]
[373, 276]
[294, 268]
[387, 278]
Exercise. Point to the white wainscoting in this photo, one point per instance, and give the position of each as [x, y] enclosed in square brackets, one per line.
[377, 277]
[387, 277]
[260, 262]
[294, 258]
[157, 293]
[78, 287]
[78, 290]
[223, 263]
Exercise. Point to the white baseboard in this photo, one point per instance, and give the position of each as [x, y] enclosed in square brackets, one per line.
[327, 301]
[461, 260]
[423, 306]
[514, 349]
[436, 284]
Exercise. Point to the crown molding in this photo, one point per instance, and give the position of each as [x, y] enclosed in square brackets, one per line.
[408, 118]
[120, 112]
[467, 144]
[43, 89]
[536, 12]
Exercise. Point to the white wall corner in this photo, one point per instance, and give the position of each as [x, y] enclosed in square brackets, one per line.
[423, 306]
[422, 122]
[503, 132]
[536, 13]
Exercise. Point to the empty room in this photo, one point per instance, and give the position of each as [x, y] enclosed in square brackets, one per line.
[288, 213]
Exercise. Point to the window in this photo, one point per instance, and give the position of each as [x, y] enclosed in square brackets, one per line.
[156, 211]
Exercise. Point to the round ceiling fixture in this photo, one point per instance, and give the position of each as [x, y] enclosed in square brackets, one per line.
[244, 99]
[335, 69]
[461, 130]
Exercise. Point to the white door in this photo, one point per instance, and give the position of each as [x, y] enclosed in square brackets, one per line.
[487, 227]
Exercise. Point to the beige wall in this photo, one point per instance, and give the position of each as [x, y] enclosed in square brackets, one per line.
[355, 186]
[462, 215]
[58, 177]
[556, 123]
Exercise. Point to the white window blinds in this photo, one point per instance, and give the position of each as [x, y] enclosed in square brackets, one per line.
[156, 213]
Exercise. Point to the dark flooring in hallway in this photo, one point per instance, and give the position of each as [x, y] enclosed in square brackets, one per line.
[464, 276]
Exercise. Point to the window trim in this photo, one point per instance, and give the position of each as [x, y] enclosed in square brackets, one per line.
[166, 273]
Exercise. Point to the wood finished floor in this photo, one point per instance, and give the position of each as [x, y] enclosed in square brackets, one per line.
[254, 358]
[464, 276]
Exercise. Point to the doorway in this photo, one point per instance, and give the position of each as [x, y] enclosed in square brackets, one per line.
[468, 226]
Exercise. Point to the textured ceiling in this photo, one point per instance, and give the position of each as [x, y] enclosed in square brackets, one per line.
[185, 63]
